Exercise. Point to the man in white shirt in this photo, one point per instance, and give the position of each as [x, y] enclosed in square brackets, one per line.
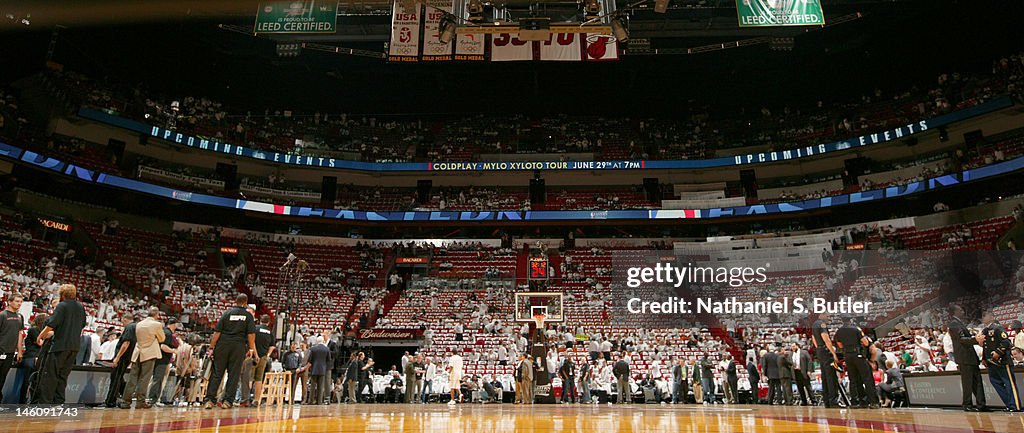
[430, 371]
[455, 377]
[606, 348]
[593, 347]
[947, 347]
[94, 349]
[553, 363]
[107, 349]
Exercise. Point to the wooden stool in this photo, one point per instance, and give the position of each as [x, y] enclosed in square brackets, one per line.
[277, 388]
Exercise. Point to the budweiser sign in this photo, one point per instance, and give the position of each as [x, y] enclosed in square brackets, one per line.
[390, 334]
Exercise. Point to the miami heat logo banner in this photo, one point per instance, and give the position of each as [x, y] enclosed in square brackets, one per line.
[600, 47]
[433, 48]
[405, 34]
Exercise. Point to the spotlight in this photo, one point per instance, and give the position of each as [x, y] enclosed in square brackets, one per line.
[446, 29]
[661, 6]
[591, 8]
[620, 28]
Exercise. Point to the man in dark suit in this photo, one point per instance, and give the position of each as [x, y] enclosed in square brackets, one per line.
[355, 367]
[707, 379]
[786, 375]
[802, 371]
[567, 372]
[770, 368]
[755, 379]
[319, 364]
[732, 379]
[621, 372]
[967, 361]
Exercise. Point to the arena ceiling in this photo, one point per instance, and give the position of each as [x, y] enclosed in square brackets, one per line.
[181, 47]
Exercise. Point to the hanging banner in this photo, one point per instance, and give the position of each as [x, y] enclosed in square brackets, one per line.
[405, 34]
[564, 47]
[507, 47]
[433, 49]
[600, 47]
[778, 13]
[297, 17]
[471, 47]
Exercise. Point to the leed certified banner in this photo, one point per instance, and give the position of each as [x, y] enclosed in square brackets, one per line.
[309, 16]
[778, 13]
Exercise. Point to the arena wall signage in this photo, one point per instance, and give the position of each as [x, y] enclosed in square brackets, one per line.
[390, 334]
[64, 227]
[778, 13]
[308, 16]
[83, 174]
[753, 158]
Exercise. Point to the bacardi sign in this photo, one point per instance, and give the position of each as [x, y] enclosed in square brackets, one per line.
[64, 227]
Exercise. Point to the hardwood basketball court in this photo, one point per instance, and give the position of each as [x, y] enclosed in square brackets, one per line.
[512, 418]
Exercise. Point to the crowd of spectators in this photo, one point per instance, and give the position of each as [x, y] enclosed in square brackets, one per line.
[694, 134]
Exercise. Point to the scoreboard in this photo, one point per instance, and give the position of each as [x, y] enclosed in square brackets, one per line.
[539, 268]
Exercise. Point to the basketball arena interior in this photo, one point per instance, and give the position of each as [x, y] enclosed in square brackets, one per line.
[512, 216]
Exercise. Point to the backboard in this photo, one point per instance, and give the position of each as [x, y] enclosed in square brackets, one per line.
[531, 304]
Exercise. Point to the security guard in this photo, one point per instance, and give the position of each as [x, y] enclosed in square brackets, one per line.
[826, 355]
[966, 360]
[854, 344]
[235, 330]
[996, 352]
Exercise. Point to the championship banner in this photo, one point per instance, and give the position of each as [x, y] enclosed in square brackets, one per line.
[405, 34]
[433, 48]
[777, 13]
[471, 47]
[600, 47]
[563, 47]
[309, 16]
[507, 47]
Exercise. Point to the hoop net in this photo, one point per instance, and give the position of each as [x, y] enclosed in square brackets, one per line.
[539, 319]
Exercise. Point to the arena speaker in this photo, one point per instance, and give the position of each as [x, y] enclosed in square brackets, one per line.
[538, 193]
[328, 190]
[748, 180]
[854, 168]
[229, 174]
[652, 189]
[116, 148]
[974, 138]
[423, 187]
